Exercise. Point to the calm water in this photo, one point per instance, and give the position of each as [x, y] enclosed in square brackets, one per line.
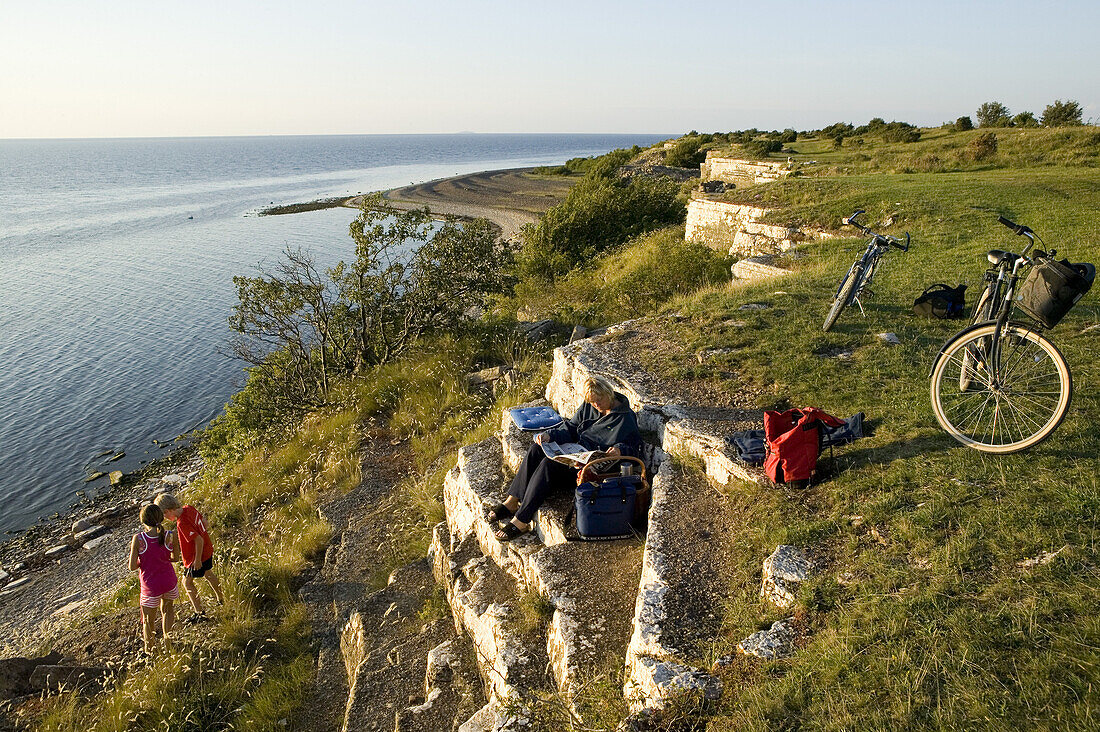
[116, 266]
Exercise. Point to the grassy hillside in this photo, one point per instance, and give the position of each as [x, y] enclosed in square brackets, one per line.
[924, 616]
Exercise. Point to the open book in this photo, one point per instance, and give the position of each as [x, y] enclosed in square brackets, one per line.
[569, 453]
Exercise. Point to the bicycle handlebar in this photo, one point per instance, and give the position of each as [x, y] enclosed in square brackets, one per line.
[880, 238]
[1019, 229]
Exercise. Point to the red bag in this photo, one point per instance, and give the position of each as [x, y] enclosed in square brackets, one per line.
[793, 441]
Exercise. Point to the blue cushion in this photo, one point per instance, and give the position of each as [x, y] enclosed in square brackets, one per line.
[535, 419]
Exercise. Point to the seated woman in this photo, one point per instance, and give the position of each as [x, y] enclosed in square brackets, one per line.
[604, 422]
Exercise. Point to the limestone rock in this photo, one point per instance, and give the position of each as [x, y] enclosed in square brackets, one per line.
[891, 339]
[174, 479]
[4, 576]
[757, 268]
[667, 680]
[115, 476]
[54, 677]
[775, 642]
[485, 376]
[536, 331]
[89, 533]
[579, 333]
[754, 306]
[784, 572]
[54, 552]
[81, 525]
[97, 542]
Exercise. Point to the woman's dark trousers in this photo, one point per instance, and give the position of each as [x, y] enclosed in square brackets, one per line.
[538, 477]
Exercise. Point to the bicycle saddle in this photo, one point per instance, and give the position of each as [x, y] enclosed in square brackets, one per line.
[996, 256]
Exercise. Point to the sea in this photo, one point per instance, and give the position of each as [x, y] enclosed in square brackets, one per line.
[116, 266]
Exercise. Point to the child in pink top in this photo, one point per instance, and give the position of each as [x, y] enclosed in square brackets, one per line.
[152, 553]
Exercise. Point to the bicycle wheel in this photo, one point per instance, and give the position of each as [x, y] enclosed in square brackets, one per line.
[844, 295]
[982, 312]
[1019, 388]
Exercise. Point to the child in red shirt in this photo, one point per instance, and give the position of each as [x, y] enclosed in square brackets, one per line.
[197, 551]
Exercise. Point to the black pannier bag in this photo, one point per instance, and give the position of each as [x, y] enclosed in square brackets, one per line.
[941, 301]
[1052, 288]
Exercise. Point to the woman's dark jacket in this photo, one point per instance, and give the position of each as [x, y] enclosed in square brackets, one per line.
[618, 428]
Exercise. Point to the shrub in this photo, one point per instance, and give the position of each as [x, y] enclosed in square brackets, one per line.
[993, 114]
[1025, 119]
[788, 136]
[686, 153]
[838, 142]
[964, 123]
[598, 213]
[982, 147]
[761, 148]
[1062, 114]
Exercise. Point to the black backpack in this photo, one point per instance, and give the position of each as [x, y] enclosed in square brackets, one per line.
[941, 301]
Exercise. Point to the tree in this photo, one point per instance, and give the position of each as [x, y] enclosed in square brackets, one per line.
[1025, 119]
[993, 114]
[1062, 114]
[962, 124]
[297, 328]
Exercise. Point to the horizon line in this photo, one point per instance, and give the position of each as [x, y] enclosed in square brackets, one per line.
[327, 134]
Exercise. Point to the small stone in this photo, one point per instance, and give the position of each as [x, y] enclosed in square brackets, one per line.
[784, 572]
[17, 584]
[754, 306]
[890, 339]
[115, 476]
[57, 550]
[1040, 559]
[94, 476]
[81, 525]
[173, 479]
[88, 546]
[18, 567]
[775, 642]
[4, 576]
[579, 333]
[89, 534]
[733, 323]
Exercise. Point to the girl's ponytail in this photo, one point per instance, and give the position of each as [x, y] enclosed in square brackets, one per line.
[153, 517]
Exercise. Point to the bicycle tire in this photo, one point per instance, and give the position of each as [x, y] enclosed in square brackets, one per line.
[843, 295]
[1011, 410]
[981, 313]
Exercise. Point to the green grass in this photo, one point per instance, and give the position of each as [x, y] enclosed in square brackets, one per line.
[926, 622]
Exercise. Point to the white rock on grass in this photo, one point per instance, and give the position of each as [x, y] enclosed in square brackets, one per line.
[775, 642]
[891, 339]
[784, 572]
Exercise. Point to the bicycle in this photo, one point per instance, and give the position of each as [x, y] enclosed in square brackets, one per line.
[1000, 385]
[856, 283]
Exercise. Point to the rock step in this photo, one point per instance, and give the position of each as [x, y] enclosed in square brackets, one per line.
[485, 605]
[682, 592]
[591, 585]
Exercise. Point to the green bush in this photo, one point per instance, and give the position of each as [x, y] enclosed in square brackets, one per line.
[686, 153]
[1062, 114]
[982, 147]
[964, 123]
[788, 135]
[1025, 119]
[761, 148]
[598, 213]
[993, 114]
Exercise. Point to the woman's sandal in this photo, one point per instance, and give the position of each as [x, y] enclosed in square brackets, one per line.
[500, 512]
[507, 532]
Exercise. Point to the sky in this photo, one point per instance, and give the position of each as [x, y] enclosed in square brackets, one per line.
[75, 68]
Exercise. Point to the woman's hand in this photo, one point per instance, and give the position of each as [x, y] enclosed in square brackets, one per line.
[613, 452]
[540, 438]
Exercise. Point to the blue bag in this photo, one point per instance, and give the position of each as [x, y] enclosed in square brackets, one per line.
[605, 509]
[535, 419]
[609, 505]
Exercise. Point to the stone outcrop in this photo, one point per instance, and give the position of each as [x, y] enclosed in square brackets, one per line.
[757, 268]
[771, 644]
[736, 228]
[733, 170]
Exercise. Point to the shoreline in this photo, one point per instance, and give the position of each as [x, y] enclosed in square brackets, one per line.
[509, 198]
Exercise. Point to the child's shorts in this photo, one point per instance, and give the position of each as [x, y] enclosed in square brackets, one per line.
[172, 594]
[200, 570]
